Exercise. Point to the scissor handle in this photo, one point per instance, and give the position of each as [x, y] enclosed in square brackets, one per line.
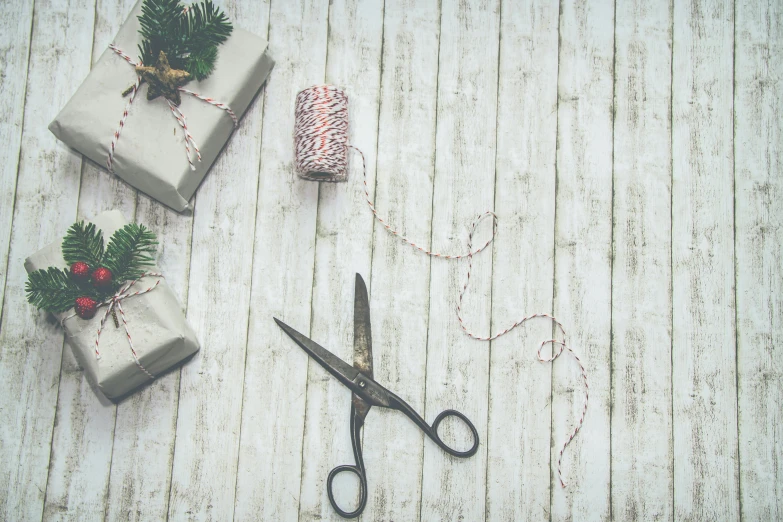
[357, 470]
[432, 431]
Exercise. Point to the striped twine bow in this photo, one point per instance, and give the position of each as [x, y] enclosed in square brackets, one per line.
[321, 147]
[116, 302]
[178, 115]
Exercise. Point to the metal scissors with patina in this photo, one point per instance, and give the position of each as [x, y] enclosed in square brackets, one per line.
[368, 393]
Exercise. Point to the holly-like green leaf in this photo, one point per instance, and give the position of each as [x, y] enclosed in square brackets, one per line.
[130, 252]
[200, 64]
[54, 290]
[159, 21]
[189, 37]
[83, 243]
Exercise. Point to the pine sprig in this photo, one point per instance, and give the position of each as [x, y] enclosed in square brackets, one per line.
[189, 37]
[128, 255]
[54, 290]
[205, 25]
[83, 243]
[129, 252]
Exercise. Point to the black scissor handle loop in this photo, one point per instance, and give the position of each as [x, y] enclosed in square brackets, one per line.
[356, 426]
[362, 490]
[432, 431]
[451, 451]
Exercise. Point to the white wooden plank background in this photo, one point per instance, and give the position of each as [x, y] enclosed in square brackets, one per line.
[641, 425]
[632, 152]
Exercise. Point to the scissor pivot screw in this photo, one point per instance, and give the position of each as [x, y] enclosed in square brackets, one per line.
[362, 384]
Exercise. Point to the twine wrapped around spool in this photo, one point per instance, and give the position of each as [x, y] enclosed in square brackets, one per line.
[321, 133]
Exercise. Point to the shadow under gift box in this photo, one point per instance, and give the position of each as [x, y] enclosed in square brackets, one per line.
[159, 331]
[150, 153]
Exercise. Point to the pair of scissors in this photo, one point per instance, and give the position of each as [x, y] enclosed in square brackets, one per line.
[368, 393]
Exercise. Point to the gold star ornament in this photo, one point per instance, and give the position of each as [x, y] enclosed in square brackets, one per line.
[163, 80]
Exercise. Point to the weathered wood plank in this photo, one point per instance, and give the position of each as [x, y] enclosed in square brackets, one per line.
[642, 466]
[209, 418]
[758, 160]
[518, 433]
[464, 185]
[583, 257]
[704, 373]
[15, 25]
[83, 435]
[276, 370]
[399, 296]
[343, 248]
[47, 190]
[146, 422]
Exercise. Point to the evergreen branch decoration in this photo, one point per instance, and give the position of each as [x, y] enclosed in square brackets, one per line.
[54, 290]
[83, 243]
[129, 252]
[127, 257]
[188, 36]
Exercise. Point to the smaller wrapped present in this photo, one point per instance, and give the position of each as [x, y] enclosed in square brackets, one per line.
[163, 99]
[122, 321]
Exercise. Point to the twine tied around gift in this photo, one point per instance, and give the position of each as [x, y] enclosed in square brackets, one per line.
[115, 302]
[178, 115]
[321, 153]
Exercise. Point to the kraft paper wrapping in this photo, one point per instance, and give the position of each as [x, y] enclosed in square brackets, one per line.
[150, 154]
[161, 335]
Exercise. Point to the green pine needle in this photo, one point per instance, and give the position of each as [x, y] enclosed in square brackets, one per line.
[200, 65]
[204, 24]
[189, 39]
[129, 252]
[83, 243]
[54, 290]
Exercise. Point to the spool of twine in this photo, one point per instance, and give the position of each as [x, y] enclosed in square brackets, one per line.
[321, 133]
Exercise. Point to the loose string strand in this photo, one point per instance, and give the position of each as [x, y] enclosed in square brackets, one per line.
[321, 153]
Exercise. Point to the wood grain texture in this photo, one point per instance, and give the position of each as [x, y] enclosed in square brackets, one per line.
[399, 297]
[704, 357]
[758, 175]
[343, 248]
[464, 186]
[270, 455]
[146, 422]
[15, 30]
[642, 451]
[583, 257]
[630, 151]
[84, 433]
[47, 190]
[518, 432]
[211, 385]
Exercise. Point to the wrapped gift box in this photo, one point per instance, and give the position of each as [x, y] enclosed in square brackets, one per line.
[150, 152]
[161, 337]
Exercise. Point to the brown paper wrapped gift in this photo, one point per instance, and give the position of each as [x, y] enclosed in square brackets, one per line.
[161, 337]
[150, 152]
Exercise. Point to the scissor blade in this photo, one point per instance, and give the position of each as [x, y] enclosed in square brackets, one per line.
[362, 335]
[362, 343]
[344, 372]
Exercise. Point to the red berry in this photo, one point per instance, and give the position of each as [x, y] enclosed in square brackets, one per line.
[85, 307]
[80, 271]
[101, 277]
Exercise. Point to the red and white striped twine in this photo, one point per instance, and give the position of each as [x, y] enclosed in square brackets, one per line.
[321, 133]
[321, 148]
[178, 115]
[116, 302]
